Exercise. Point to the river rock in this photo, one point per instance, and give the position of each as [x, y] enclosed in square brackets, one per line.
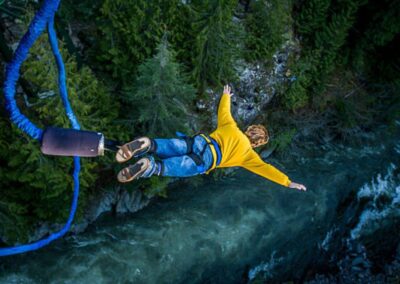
[257, 85]
[117, 200]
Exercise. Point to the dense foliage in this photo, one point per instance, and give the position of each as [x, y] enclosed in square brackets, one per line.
[266, 23]
[328, 30]
[129, 33]
[126, 79]
[39, 188]
[325, 32]
[215, 44]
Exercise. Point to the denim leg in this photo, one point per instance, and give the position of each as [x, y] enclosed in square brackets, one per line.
[181, 165]
[167, 148]
[184, 166]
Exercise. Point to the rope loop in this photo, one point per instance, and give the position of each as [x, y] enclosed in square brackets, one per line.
[44, 17]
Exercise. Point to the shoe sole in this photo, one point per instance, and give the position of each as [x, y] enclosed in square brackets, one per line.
[120, 156]
[138, 169]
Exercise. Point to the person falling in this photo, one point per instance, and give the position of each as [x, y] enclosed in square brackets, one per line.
[186, 156]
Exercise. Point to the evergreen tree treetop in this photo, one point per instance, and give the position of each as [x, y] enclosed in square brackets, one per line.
[161, 96]
[216, 38]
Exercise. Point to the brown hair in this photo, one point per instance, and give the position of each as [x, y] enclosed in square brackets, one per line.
[257, 134]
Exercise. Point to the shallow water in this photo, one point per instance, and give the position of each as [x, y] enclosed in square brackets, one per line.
[233, 229]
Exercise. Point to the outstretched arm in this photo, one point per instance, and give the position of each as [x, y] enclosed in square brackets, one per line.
[224, 108]
[256, 165]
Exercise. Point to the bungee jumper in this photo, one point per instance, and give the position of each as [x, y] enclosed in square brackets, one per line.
[187, 156]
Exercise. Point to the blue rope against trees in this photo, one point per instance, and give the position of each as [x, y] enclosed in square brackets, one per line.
[45, 16]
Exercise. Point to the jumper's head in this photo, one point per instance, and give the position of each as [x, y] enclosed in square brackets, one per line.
[257, 134]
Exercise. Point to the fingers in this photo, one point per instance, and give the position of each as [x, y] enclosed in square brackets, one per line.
[298, 186]
[301, 187]
[227, 89]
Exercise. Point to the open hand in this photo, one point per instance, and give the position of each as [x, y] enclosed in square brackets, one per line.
[297, 186]
[227, 90]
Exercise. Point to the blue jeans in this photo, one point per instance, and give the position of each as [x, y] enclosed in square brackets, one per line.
[174, 159]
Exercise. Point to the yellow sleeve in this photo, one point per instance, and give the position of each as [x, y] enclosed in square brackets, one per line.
[224, 111]
[256, 165]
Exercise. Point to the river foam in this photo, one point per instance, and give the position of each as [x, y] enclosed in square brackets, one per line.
[382, 201]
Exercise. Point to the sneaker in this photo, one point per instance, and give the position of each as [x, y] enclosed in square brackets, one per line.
[134, 171]
[134, 148]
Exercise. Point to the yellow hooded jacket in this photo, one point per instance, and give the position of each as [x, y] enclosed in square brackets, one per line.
[236, 149]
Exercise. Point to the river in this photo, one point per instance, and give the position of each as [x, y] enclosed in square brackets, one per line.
[243, 228]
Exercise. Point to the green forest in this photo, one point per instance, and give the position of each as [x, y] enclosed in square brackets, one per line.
[142, 67]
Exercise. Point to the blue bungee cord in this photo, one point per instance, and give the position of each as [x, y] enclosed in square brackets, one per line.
[45, 16]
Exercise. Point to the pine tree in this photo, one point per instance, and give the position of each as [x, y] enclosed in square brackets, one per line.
[216, 42]
[384, 25]
[266, 23]
[159, 105]
[313, 17]
[130, 32]
[329, 40]
[376, 28]
[319, 58]
[178, 26]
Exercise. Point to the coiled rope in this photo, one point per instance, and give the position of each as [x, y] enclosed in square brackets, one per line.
[44, 17]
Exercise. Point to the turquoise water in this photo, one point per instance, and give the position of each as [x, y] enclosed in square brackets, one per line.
[234, 229]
